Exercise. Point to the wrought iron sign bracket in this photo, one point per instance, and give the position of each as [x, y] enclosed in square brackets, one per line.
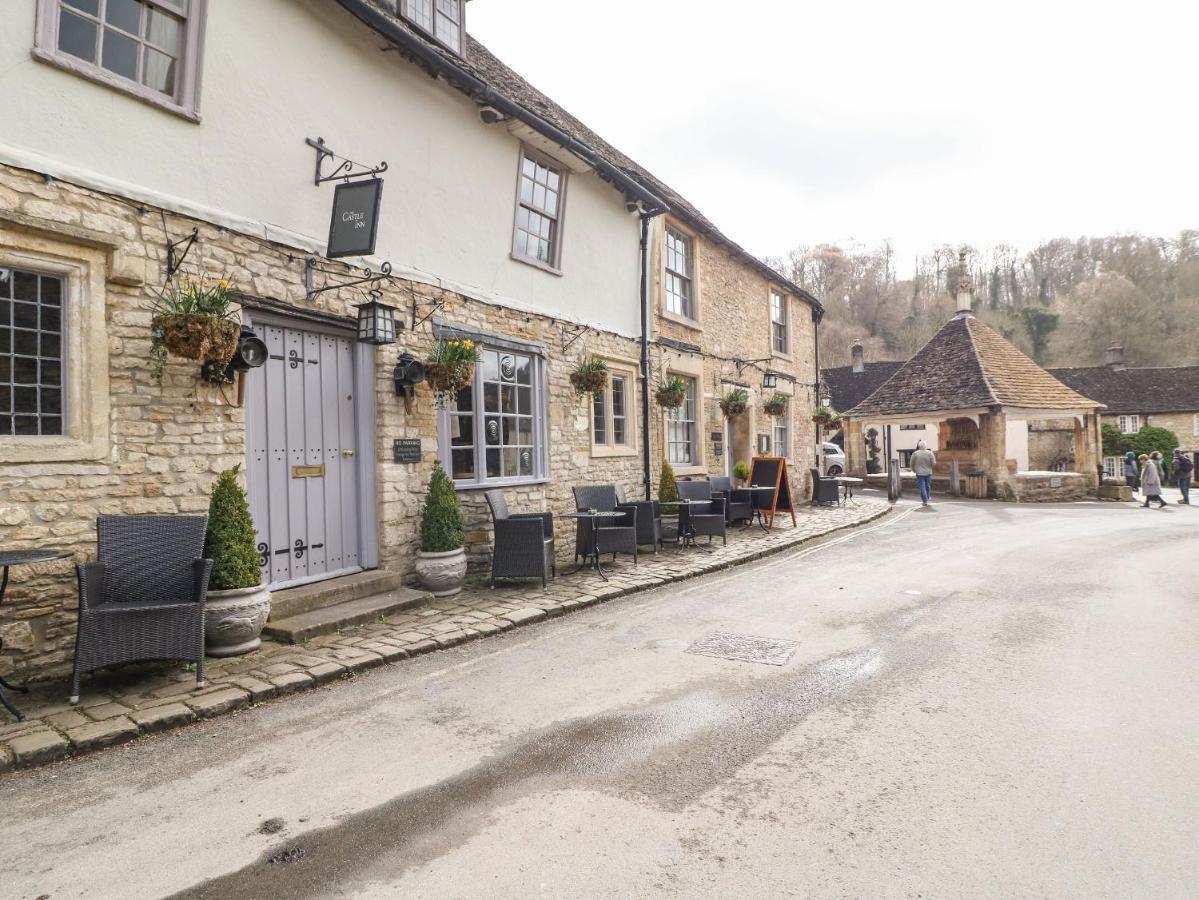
[345, 170]
[175, 258]
[570, 334]
[369, 278]
[438, 304]
[743, 364]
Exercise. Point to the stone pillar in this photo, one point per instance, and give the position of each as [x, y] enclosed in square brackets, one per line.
[992, 454]
[1088, 448]
[855, 448]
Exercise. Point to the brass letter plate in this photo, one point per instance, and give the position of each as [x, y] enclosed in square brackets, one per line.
[308, 471]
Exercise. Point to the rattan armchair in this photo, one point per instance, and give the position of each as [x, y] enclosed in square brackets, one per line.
[616, 535]
[649, 519]
[738, 504]
[143, 597]
[705, 515]
[824, 490]
[524, 542]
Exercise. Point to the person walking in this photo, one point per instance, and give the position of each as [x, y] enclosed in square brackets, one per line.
[1184, 468]
[1130, 470]
[1151, 481]
[923, 461]
[1156, 456]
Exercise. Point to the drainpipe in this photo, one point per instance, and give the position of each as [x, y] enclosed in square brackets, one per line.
[645, 453]
[817, 315]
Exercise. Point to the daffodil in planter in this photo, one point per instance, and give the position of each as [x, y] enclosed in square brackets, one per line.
[194, 318]
[450, 367]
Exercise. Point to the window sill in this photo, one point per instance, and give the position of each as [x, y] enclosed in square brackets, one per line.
[693, 324]
[115, 82]
[779, 354]
[690, 470]
[608, 452]
[536, 264]
[497, 483]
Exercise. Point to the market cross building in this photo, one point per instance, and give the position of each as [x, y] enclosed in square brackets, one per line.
[983, 393]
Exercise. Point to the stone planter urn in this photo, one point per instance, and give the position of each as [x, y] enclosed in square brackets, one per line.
[442, 574]
[233, 620]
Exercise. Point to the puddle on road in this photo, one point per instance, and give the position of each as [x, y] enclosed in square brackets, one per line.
[668, 752]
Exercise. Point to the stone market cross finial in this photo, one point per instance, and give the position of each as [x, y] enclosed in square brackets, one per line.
[965, 286]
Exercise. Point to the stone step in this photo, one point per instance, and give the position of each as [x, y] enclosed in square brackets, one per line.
[328, 619]
[293, 601]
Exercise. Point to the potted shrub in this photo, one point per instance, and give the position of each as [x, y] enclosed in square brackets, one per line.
[668, 486]
[441, 562]
[238, 603]
[450, 367]
[776, 405]
[734, 402]
[825, 417]
[194, 319]
[671, 393]
[589, 376]
[741, 471]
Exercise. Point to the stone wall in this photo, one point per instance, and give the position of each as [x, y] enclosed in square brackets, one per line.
[158, 449]
[1051, 442]
[1040, 487]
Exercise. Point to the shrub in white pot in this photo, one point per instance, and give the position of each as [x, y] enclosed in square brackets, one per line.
[441, 562]
[238, 603]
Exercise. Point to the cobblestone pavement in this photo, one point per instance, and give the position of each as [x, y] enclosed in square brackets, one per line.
[117, 706]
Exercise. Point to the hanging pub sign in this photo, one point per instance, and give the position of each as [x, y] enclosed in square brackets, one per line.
[355, 219]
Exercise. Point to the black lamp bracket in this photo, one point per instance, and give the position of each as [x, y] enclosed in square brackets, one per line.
[570, 334]
[369, 278]
[177, 251]
[345, 169]
[438, 304]
[743, 364]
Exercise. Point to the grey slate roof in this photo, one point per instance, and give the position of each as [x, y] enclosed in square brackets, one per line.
[1138, 391]
[848, 388]
[966, 365]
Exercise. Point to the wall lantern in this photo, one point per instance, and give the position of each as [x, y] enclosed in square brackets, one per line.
[376, 323]
[770, 381]
[825, 395]
[409, 372]
[251, 353]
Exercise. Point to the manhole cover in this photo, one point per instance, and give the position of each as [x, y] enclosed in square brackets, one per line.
[744, 648]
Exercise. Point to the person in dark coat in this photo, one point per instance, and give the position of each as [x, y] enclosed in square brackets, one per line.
[1130, 470]
[1184, 469]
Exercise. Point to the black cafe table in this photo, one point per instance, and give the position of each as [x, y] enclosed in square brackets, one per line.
[21, 558]
[763, 497]
[594, 516]
[687, 533]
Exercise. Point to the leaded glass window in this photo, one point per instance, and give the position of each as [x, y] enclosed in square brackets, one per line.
[538, 211]
[678, 274]
[681, 429]
[31, 353]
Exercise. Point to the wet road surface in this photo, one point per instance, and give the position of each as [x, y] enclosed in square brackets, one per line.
[986, 701]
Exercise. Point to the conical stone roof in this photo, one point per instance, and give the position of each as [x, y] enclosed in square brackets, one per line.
[966, 365]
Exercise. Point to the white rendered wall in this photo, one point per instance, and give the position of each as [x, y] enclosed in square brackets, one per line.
[278, 71]
[1017, 443]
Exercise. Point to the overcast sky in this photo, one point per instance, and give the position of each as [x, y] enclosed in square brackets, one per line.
[791, 122]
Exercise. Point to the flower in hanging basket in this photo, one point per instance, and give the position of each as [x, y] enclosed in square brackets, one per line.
[194, 319]
[776, 405]
[825, 417]
[590, 376]
[450, 367]
[734, 402]
[671, 393]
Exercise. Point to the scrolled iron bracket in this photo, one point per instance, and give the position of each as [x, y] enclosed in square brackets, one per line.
[369, 277]
[346, 169]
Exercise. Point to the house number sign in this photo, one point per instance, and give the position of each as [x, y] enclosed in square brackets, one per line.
[355, 219]
[406, 450]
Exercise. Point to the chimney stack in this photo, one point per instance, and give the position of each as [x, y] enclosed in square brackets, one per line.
[965, 287]
[859, 357]
[1113, 356]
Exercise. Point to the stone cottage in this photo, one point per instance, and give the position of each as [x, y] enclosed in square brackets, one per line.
[203, 140]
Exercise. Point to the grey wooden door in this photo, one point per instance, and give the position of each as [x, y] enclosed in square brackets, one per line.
[302, 458]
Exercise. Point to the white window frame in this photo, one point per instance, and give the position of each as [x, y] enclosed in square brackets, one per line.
[676, 421]
[554, 264]
[780, 318]
[780, 436]
[1130, 424]
[1113, 467]
[539, 416]
[688, 310]
[186, 100]
[427, 23]
[603, 401]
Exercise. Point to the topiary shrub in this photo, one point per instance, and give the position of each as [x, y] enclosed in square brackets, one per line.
[229, 541]
[668, 486]
[741, 470]
[441, 527]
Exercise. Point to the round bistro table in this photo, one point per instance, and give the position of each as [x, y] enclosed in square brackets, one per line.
[21, 558]
[593, 516]
[848, 483]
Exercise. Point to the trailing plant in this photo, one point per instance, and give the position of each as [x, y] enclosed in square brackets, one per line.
[668, 486]
[450, 367]
[229, 540]
[734, 403]
[590, 376]
[741, 470]
[441, 528]
[825, 416]
[776, 405]
[195, 319]
[671, 393]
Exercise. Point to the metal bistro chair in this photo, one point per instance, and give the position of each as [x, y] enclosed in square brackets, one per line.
[524, 542]
[706, 513]
[738, 504]
[824, 490]
[143, 597]
[619, 537]
[649, 519]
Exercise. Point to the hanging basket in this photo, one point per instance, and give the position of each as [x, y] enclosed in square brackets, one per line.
[775, 406]
[734, 403]
[825, 417]
[668, 398]
[198, 337]
[589, 382]
[448, 379]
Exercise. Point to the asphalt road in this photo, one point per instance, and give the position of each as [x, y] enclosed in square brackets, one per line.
[985, 700]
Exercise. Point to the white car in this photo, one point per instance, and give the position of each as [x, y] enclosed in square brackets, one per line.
[834, 459]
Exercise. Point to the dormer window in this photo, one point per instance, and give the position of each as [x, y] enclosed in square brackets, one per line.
[440, 19]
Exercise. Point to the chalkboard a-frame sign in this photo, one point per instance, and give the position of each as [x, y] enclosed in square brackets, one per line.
[355, 219]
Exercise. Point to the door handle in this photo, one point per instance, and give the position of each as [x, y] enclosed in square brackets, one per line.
[347, 453]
